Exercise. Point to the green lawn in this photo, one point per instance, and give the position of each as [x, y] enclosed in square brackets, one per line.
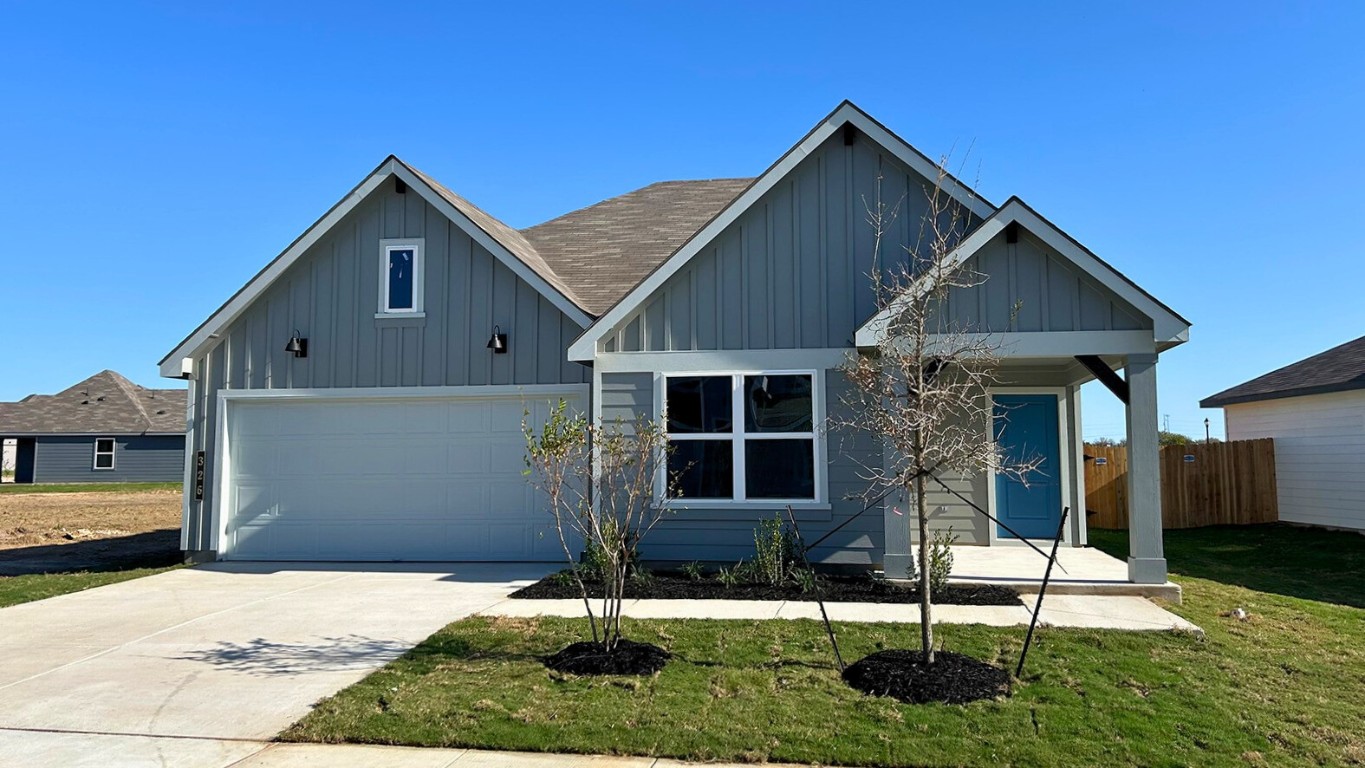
[22, 589]
[87, 487]
[1285, 688]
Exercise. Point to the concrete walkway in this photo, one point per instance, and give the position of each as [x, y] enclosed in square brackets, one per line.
[1122, 612]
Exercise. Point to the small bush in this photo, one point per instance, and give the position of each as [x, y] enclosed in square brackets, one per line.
[641, 575]
[731, 577]
[941, 559]
[693, 570]
[805, 579]
[777, 552]
[562, 578]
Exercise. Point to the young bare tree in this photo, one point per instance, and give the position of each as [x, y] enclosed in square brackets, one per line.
[610, 504]
[923, 390]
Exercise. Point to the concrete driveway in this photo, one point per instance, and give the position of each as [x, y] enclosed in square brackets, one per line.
[194, 667]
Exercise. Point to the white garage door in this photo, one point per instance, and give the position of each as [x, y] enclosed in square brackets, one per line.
[384, 479]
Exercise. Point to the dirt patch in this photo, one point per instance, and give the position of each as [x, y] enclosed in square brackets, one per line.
[837, 589]
[953, 678]
[628, 658]
[37, 519]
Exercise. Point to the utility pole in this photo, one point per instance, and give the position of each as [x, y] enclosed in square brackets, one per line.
[1206, 431]
[1166, 422]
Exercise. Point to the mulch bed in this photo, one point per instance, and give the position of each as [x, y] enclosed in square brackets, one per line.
[628, 658]
[952, 679]
[837, 589]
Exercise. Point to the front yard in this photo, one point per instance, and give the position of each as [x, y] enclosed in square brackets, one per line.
[1285, 687]
[56, 539]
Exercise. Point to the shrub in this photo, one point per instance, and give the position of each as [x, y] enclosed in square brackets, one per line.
[777, 552]
[805, 579]
[730, 577]
[693, 570]
[941, 559]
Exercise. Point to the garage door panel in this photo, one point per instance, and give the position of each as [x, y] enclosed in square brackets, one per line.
[384, 479]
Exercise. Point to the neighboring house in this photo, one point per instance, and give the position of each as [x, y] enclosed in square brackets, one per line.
[361, 397]
[1315, 411]
[105, 429]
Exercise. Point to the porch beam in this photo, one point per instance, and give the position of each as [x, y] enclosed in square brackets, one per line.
[1146, 555]
[1112, 381]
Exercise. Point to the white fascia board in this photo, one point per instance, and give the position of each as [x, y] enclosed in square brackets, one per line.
[584, 348]
[872, 332]
[172, 365]
[1167, 327]
[518, 267]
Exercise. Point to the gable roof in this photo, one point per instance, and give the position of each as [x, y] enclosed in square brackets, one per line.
[605, 249]
[104, 404]
[1339, 369]
[1168, 327]
[506, 244]
[584, 347]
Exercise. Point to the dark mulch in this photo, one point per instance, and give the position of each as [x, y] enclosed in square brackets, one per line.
[953, 678]
[628, 658]
[837, 589]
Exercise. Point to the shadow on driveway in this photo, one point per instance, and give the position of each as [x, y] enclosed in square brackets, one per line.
[328, 654]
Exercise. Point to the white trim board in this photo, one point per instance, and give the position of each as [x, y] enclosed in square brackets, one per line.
[585, 346]
[1168, 327]
[172, 365]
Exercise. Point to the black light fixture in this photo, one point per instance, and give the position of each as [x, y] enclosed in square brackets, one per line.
[498, 341]
[297, 345]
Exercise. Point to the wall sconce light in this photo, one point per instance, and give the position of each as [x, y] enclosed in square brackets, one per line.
[297, 346]
[498, 341]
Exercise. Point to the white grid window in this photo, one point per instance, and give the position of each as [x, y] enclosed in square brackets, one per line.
[744, 437]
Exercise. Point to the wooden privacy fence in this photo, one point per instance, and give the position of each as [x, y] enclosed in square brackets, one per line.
[1201, 484]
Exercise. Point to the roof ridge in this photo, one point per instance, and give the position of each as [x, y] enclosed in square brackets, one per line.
[126, 386]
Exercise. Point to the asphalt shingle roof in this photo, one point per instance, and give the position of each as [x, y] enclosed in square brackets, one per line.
[1339, 369]
[105, 403]
[603, 250]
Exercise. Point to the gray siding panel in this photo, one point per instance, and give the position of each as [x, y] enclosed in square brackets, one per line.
[331, 296]
[137, 458]
[792, 271]
[1031, 289]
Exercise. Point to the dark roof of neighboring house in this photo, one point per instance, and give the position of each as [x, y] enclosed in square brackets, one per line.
[105, 403]
[603, 250]
[1339, 369]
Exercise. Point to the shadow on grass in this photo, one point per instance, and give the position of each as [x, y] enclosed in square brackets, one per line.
[154, 549]
[1306, 563]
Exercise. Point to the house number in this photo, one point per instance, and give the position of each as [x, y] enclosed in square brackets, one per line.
[198, 475]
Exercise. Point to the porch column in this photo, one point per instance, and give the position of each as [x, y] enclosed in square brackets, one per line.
[1146, 557]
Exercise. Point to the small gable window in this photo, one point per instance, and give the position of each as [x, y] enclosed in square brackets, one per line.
[104, 453]
[401, 277]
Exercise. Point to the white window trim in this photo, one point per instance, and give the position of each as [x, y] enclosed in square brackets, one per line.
[737, 437]
[418, 248]
[112, 453]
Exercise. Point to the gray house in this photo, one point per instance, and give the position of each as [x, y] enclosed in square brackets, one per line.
[361, 397]
[105, 429]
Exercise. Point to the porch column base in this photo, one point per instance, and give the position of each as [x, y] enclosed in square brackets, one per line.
[895, 565]
[1147, 570]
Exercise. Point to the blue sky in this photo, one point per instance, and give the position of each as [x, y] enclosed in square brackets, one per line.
[156, 155]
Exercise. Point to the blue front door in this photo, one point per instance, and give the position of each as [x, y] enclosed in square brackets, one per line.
[1026, 427]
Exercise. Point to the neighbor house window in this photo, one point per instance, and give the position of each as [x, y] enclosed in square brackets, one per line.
[401, 286]
[743, 437]
[104, 453]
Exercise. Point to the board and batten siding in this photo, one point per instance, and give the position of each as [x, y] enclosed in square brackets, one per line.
[1319, 454]
[720, 535]
[331, 295]
[793, 270]
[1026, 287]
[137, 459]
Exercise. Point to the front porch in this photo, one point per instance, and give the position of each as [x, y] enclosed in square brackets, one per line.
[1079, 571]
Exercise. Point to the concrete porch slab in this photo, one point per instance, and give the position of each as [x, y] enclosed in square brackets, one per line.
[1079, 571]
